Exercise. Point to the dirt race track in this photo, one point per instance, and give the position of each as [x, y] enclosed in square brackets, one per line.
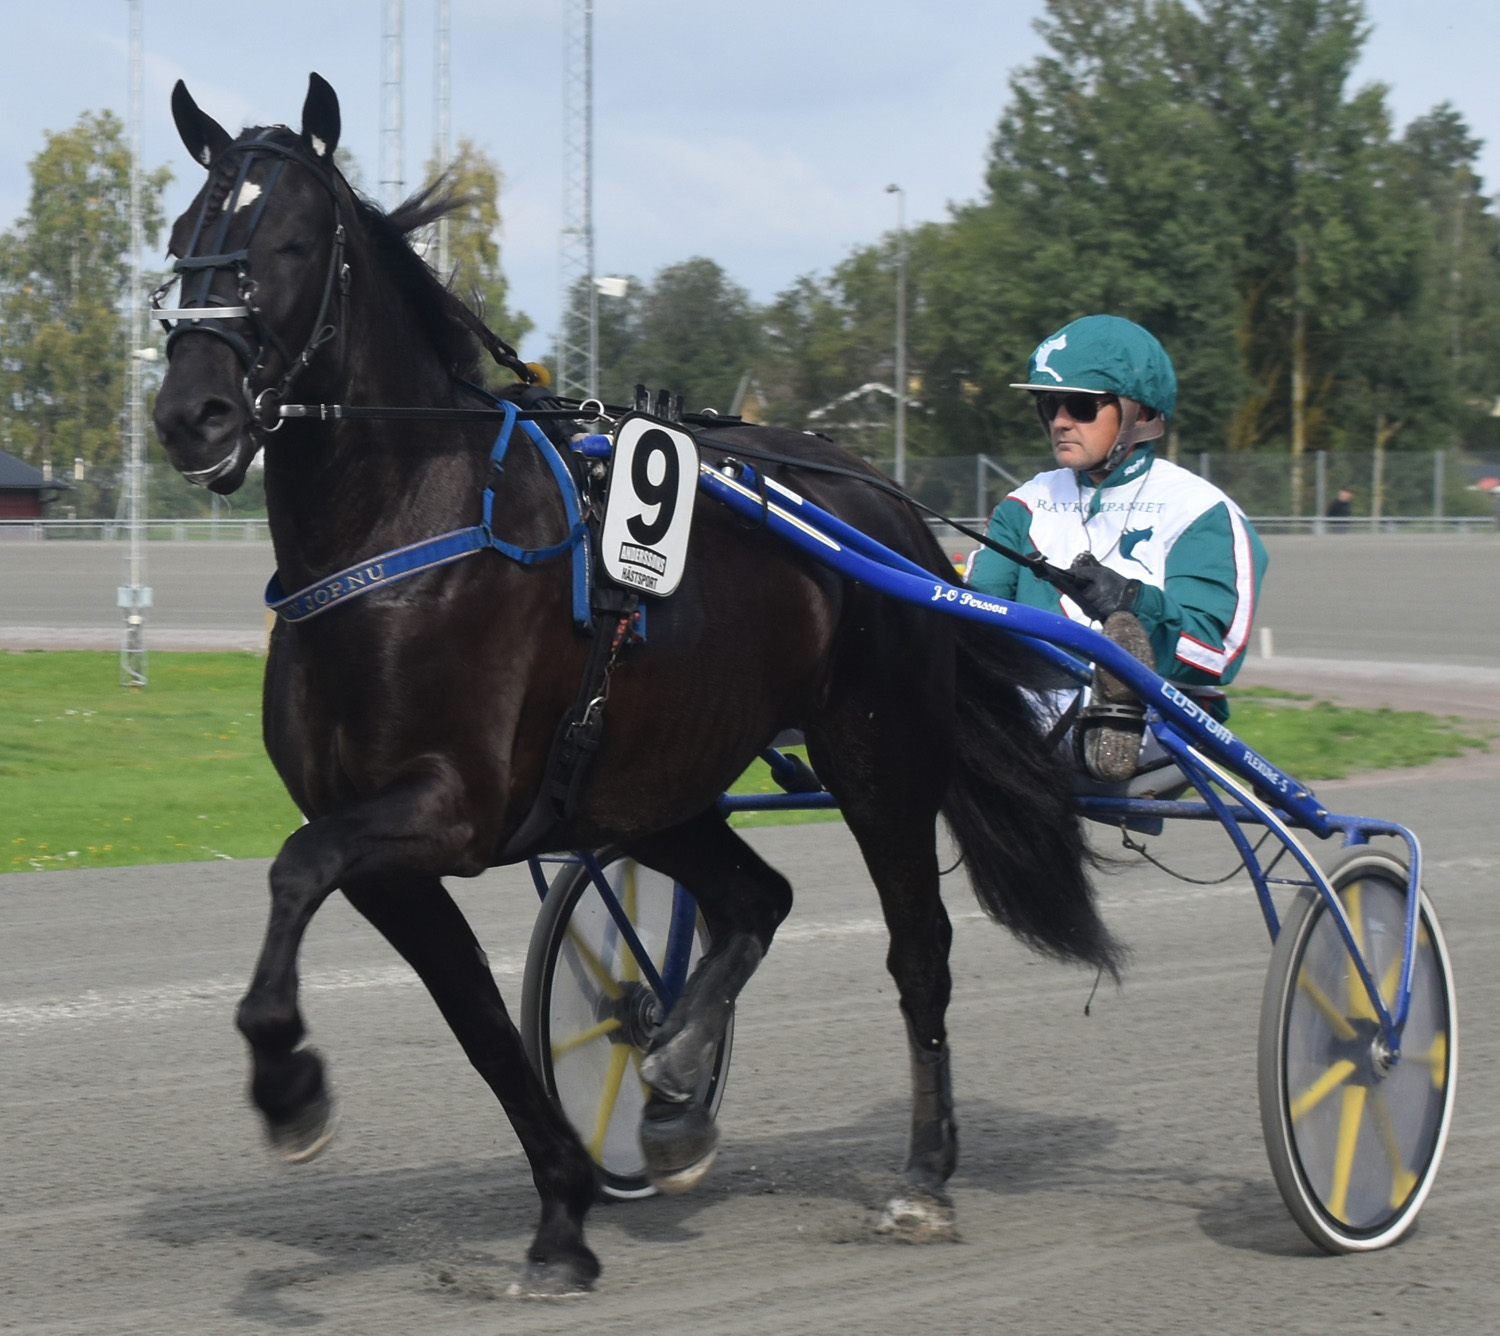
[1112, 1176]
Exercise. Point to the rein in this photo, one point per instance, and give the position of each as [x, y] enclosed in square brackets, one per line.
[1034, 560]
[269, 409]
[592, 409]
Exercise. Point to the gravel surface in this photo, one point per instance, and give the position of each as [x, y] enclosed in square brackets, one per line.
[1112, 1175]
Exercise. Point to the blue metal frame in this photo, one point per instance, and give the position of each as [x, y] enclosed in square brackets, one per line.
[1254, 792]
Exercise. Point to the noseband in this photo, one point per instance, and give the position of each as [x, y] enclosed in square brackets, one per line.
[205, 313]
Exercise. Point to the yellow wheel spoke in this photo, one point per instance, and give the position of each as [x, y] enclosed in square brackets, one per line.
[1402, 1179]
[1351, 1116]
[585, 1037]
[619, 1055]
[1388, 982]
[1359, 1001]
[630, 969]
[1336, 1019]
[1320, 1089]
[1435, 1057]
[591, 962]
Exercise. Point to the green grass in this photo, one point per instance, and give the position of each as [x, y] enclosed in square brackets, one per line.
[757, 779]
[1315, 739]
[92, 775]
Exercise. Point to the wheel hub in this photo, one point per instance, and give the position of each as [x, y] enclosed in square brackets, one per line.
[1372, 1057]
[639, 1015]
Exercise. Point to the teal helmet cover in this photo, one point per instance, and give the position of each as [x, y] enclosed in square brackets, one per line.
[1105, 354]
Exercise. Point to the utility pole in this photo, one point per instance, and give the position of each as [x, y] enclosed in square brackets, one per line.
[440, 125]
[392, 173]
[133, 596]
[900, 386]
[578, 328]
[1456, 276]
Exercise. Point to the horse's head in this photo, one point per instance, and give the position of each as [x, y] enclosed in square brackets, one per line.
[260, 256]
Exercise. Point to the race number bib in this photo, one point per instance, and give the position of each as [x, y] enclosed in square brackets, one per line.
[648, 512]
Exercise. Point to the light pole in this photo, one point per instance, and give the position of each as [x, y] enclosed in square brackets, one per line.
[900, 386]
[134, 597]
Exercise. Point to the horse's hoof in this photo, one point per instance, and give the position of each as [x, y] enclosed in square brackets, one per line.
[679, 1142]
[304, 1135]
[918, 1219]
[566, 1278]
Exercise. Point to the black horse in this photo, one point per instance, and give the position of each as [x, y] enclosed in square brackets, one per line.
[412, 726]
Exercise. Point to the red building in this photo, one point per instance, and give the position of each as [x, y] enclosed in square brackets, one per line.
[23, 489]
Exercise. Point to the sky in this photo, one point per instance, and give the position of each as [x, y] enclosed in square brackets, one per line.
[762, 135]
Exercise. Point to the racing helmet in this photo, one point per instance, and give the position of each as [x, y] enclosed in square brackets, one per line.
[1107, 354]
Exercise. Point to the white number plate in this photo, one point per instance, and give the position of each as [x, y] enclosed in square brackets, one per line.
[648, 513]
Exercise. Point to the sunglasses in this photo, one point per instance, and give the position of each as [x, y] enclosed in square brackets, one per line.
[1081, 407]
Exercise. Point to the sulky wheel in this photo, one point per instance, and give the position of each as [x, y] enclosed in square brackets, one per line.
[1355, 1138]
[587, 1013]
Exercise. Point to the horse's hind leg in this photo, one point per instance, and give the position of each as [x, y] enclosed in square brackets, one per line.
[742, 900]
[422, 922]
[903, 863]
[889, 783]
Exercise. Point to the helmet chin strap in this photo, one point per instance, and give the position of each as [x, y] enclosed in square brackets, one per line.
[1132, 433]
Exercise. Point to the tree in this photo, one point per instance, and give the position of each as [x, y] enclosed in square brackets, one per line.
[474, 270]
[1326, 250]
[1104, 193]
[825, 339]
[64, 276]
[693, 331]
[1461, 271]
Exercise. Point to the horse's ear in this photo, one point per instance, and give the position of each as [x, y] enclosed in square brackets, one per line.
[203, 135]
[320, 116]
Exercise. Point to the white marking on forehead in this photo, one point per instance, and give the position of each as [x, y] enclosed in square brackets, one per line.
[319, 147]
[249, 193]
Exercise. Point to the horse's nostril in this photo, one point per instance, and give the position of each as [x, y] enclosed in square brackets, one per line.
[212, 413]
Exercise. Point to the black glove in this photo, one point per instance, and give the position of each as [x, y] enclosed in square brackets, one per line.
[1096, 589]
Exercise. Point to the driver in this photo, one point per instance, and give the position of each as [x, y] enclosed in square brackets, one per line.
[1158, 557]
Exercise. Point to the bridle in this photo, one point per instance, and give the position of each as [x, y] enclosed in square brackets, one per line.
[203, 312]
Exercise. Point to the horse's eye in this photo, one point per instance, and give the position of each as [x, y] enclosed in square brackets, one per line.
[298, 248]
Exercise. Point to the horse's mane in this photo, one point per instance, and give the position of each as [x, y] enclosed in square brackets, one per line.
[390, 235]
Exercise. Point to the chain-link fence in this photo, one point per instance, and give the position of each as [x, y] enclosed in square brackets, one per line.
[94, 492]
[1400, 490]
[1397, 490]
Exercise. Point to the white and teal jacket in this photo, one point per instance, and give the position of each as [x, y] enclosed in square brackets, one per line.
[1199, 562]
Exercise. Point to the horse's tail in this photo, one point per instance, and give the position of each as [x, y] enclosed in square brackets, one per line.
[1010, 808]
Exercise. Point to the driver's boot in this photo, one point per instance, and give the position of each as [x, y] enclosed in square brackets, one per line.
[1110, 726]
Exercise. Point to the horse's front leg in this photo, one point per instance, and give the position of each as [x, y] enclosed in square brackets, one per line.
[419, 918]
[414, 825]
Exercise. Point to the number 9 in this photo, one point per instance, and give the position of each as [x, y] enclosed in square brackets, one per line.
[662, 494]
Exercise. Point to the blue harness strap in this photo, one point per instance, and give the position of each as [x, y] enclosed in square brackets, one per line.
[577, 535]
[404, 562]
[375, 573]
